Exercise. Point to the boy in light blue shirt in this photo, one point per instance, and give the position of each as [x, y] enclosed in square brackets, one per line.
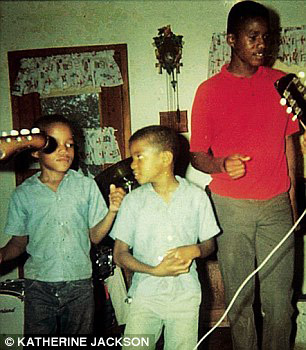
[55, 215]
[157, 231]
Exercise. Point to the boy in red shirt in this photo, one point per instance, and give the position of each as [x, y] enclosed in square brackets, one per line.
[241, 135]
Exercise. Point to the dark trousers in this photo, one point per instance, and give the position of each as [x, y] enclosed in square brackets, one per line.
[250, 230]
[58, 307]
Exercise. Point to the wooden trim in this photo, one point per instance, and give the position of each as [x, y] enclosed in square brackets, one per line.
[126, 103]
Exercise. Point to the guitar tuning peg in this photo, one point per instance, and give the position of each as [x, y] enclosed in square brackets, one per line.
[301, 75]
[297, 110]
[35, 131]
[14, 133]
[24, 132]
[283, 101]
[4, 134]
[294, 118]
[289, 110]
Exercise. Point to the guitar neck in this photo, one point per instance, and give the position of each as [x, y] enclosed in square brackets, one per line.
[293, 94]
[16, 142]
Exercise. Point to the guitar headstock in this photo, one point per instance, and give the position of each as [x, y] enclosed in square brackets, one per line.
[14, 141]
[293, 93]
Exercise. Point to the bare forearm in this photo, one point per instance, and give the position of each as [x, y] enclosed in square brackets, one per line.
[125, 259]
[14, 248]
[207, 163]
[207, 248]
[234, 165]
[98, 232]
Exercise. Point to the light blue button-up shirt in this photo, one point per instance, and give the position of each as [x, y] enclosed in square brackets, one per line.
[57, 224]
[151, 227]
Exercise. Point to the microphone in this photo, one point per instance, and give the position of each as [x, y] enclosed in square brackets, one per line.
[50, 145]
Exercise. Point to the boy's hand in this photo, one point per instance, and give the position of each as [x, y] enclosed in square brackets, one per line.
[185, 253]
[234, 165]
[171, 266]
[116, 196]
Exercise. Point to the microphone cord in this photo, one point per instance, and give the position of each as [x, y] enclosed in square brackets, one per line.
[249, 277]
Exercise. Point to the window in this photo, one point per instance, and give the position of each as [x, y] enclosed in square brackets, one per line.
[113, 102]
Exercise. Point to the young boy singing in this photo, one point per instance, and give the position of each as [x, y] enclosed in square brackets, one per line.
[54, 215]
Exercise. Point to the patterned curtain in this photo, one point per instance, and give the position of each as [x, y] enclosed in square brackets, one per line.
[101, 146]
[292, 49]
[63, 72]
[219, 53]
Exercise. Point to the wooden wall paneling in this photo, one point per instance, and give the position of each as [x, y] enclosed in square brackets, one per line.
[125, 98]
[112, 114]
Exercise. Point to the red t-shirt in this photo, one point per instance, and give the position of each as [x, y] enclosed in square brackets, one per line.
[243, 115]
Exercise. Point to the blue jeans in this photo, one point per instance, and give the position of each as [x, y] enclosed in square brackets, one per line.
[58, 307]
[250, 230]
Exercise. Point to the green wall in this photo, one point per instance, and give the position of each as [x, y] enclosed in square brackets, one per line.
[43, 24]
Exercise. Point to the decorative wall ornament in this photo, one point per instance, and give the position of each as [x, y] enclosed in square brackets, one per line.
[63, 72]
[292, 49]
[169, 53]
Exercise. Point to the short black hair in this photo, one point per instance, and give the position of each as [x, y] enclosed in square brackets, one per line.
[159, 136]
[242, 12]
[45, 121]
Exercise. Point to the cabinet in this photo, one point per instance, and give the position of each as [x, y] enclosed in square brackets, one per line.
[213, 298]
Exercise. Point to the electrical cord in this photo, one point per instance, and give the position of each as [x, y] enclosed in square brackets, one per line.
[249, 277]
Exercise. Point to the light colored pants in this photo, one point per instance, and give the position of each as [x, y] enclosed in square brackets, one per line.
[118, 293]
[178, 314]
[250, 230]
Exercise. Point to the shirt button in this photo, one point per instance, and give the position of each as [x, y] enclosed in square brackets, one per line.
[170, 238]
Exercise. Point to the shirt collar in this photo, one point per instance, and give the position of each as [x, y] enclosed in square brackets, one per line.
[181, 181]
[229, 75]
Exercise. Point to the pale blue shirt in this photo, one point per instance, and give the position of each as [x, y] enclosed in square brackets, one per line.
[151, 227]
[57, 224]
